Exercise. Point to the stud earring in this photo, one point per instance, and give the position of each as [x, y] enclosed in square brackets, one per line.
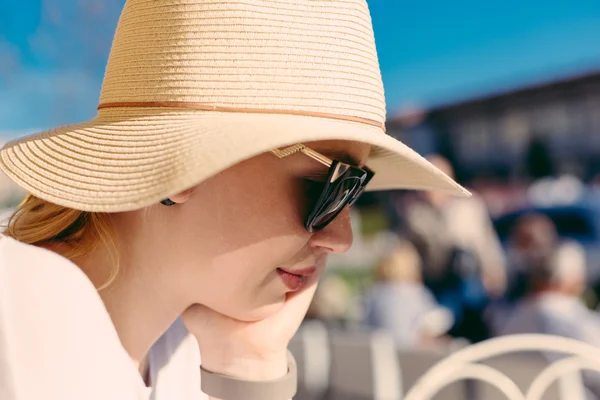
[168, 202]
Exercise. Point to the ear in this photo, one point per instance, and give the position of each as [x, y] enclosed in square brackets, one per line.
[182, 197]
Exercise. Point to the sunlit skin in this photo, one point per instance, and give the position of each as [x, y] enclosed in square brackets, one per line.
[221, 246]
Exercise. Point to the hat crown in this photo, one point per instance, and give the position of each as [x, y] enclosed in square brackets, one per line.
[302, 56]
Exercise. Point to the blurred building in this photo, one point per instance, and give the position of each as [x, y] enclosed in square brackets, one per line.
[555, 125]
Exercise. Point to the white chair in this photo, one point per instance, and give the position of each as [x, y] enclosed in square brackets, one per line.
[364, 366]
[522, 369]
[414, 363]
[466, 364]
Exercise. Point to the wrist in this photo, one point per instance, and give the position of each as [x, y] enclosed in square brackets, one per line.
[221, 386]
[247, 367]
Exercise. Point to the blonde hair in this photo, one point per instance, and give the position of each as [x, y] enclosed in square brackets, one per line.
[76, 233]
[403, 264]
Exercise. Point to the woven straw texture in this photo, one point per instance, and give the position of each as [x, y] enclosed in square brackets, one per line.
[310, 56]
[195, 86]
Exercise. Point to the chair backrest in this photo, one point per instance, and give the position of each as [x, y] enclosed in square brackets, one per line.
[364, 366]
[478, 362]
[310, 347]
[414, 363]
[522, 369]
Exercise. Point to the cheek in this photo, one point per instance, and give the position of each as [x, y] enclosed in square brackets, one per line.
[251, 266]
[256, 213]
[244, 284]
[242, 231]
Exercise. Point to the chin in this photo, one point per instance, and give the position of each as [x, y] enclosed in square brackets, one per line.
[257, 313]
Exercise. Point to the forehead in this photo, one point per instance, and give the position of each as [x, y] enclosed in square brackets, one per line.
[354, 153]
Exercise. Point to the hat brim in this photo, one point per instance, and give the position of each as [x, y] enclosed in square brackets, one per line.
[126, 159]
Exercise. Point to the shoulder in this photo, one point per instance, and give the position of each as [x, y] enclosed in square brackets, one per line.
[56, 332]
[526, 317]
[35, 282]
[34, 278]
[23, 261]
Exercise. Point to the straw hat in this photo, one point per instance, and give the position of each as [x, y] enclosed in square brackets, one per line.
[193, 87]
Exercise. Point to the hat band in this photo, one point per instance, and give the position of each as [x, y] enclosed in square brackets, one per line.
[205, 107]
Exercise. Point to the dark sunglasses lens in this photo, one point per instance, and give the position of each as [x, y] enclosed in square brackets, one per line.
[339, 194]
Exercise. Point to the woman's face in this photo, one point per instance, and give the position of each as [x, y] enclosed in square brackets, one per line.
[240, 230]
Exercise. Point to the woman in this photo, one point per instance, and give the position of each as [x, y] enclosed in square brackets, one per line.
[230, 140]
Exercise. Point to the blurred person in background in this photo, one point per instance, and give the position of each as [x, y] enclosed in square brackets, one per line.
[552, 300]
[331, 302]
[532, 239]
[553, 305]
[439, 223]
[463, 260]
[400, 303]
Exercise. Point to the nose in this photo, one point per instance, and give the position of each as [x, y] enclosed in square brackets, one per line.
[336, 237]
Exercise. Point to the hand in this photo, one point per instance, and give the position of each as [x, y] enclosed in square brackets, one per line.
[249, 350]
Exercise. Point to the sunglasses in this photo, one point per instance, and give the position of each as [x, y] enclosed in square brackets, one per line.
[344, 184]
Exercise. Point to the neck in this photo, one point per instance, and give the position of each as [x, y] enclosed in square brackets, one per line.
[140, 307]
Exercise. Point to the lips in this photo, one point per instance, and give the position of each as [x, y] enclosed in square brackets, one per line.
[295, 278]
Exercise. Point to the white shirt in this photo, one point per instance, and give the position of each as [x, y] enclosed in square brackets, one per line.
[555, 314]
[57, 340]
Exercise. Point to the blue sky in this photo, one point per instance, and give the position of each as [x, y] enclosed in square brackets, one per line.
[431, 52]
